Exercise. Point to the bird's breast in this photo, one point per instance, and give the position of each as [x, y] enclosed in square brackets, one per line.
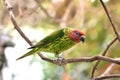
[59, 45]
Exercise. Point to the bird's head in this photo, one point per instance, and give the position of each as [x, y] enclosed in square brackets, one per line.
[76, 36]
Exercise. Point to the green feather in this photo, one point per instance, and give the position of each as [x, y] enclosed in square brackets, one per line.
[56, 42]
[50, 38]
[28, 54]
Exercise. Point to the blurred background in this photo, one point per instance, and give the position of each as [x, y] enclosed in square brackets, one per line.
[38, 18]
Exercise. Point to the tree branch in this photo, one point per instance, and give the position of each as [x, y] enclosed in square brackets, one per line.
[103, 54]
[118, 37]
[108, 76]
[108, 70]
[9, 7]
[110, 19]
[83, 59]
[44, 10]
[47, 14]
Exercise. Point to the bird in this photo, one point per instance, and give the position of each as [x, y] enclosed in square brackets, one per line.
[57, 42]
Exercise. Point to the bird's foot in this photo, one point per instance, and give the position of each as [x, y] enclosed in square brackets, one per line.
[60, 61]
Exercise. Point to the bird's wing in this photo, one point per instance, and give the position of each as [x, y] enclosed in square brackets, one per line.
[50, 38]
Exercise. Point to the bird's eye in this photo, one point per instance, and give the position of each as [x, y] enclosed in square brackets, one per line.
[76, 33]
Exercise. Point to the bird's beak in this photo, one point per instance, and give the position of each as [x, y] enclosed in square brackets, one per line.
[82, 38]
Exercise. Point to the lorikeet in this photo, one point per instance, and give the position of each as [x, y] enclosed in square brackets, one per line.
[57, 42]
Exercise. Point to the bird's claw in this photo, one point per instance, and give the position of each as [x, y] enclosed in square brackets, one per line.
[60, 61]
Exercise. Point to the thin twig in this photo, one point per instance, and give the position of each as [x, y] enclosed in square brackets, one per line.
[107, 71]
[108, 76]
[9, 7]
[110, 19]
[43, 9]
[47, 14]
[103, 54]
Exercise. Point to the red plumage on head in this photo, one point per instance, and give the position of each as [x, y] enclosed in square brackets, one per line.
[75, 35]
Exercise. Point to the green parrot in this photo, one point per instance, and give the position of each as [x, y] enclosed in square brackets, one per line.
[57, 42]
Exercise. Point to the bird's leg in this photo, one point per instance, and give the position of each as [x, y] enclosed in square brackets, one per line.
[60, 57]
[61, 60]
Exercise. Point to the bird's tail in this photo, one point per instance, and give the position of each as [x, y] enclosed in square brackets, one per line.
[28, 54]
